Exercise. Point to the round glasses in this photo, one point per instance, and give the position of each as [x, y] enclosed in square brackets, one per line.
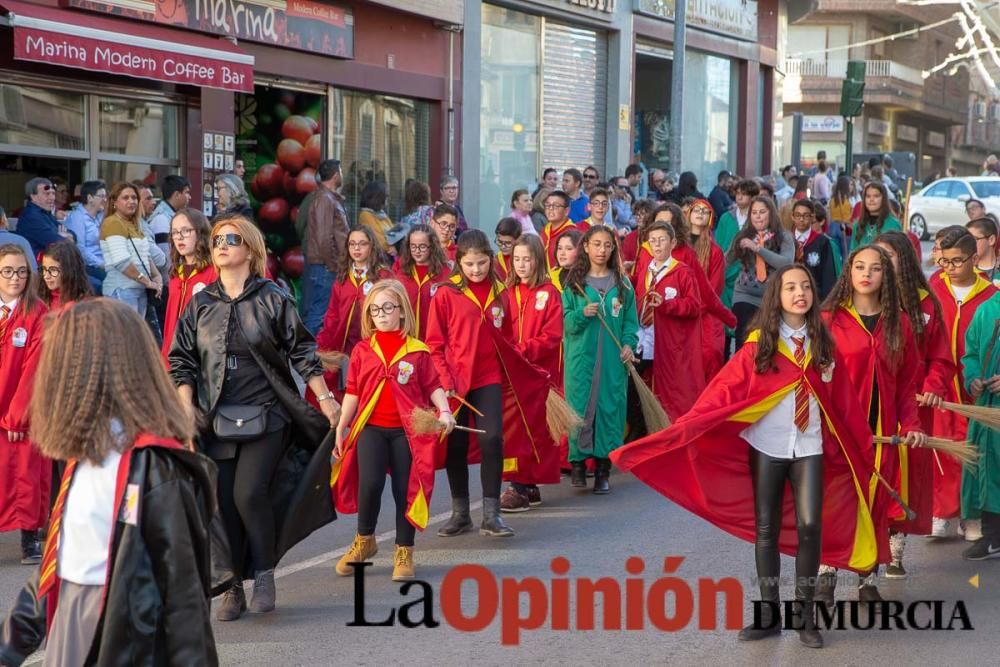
[385, 309]
[11, 272]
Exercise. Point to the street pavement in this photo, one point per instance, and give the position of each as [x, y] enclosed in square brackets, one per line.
[597, 535]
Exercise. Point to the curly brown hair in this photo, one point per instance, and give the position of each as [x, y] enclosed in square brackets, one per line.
[577, 274]
[85, 391]
[768, 321]
[910, 279]
[842, 296]
[682, 232]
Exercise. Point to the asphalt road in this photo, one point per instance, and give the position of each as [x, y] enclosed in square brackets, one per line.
[597, 535]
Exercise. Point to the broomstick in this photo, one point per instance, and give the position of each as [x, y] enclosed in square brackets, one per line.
[652, 412]
[425, 421]
[910, 514]
[963, 452]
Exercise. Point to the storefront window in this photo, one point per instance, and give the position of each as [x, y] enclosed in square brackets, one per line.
[711, 105]
[150, 174]
[509, 109]
[41, 118]
[134, 127]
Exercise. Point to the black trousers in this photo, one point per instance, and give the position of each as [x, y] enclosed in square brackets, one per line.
[489, 401]
[806, 478]
[744, 312]
[245, 500]
[381, 449]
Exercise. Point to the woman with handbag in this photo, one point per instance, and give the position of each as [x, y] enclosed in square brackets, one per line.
[126, 250]
[231, 356]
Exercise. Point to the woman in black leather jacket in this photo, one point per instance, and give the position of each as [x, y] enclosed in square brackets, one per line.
[232, 355]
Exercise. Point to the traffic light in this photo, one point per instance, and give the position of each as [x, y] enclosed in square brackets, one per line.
[852, 93]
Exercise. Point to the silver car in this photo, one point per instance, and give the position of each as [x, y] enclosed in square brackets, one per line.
[942, 203]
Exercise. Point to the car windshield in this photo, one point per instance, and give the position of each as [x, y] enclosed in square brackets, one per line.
[985, 189]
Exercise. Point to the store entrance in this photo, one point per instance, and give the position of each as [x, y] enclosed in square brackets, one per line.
[16, 170]
[653, 79]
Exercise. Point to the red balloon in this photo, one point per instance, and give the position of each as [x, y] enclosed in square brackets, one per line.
[291, 155]
[269, 181]
[313, 124]
[314, 149]
[298, 128]
[272, 266]
[305, 182]
[273, 212]
[293, 263]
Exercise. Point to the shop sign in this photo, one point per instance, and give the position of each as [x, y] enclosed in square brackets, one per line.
[445, 11]
[878, 126]
[822, 123]
[907, 133]
[732, 18]
[935, 139]
[295, 24]
[595, 9]
[134, 56]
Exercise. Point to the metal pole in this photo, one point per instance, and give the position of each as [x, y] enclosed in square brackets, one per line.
[849, 121]
[677, 84]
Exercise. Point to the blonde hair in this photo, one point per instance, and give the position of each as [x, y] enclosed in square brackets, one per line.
[82, 386]
[407, 322]
[252, 239]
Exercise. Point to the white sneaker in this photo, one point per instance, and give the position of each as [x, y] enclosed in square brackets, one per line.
[939, 527]
[972, 529]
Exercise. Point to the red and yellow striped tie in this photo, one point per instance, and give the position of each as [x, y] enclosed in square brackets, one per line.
[4, 319]
[49, 556]
[801, 389]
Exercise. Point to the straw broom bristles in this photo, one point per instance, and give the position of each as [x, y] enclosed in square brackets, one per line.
[560, 417]
[988, 417]
[425, 421]
[963, 452]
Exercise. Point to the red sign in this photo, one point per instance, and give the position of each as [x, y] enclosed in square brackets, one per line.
[135, 56]
[296, 24]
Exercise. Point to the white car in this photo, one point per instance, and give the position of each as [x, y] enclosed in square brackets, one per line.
[942, 203]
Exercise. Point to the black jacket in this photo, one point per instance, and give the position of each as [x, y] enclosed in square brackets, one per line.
[819, 259]
[276, 336]
[157, 604]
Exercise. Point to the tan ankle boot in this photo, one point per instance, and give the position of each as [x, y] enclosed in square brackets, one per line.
[362, 550]
[402, 568]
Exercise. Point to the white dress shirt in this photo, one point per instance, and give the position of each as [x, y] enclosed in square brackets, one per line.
[646, 334]
[775, 434]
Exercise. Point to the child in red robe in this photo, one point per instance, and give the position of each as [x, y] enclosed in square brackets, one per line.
[391, 374]
[64, 276]
[781, 412]
[25, 475]
[876, 341]
[508, 230]
[713, 262]
[961, 289]
[535, 309]
[422, 266]
[191, 259]
[556, 207]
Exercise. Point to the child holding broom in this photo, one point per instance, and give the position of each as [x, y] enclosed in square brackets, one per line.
[535, 309]
[390, 375]
[600, 333]
[875, 339]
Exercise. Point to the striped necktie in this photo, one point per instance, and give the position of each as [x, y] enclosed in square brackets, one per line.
[801, 389]
[47, 579]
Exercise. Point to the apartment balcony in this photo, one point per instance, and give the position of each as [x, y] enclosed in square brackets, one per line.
[889, 9]
[888, 83]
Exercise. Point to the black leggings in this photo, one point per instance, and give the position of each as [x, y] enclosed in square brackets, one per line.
[489, 401]
[245, 500]
[806, 478]
[381, 449]
[744, 312]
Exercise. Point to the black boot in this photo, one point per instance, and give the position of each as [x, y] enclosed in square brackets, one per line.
[578, 474]
[601, 475]
[826, 586]
[31, 550]
[809, 634]
[867, 590]
[460, 521]
[770, 624]
[493, 524]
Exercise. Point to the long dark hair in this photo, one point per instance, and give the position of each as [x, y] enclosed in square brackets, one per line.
[768, 321]
[29, 297]
[473, 240]
[687, 185]
[375, 261]
[579, 271]
[682, 232]
[437, 262]
[867, 219]
[842, 295]
[73, 282]
[842, 189]
[202, 232]
[747, 257]
[910, 279]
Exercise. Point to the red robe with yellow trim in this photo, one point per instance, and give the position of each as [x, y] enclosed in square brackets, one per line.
[947, 424]
[536, 318]
[453, 336]
[550, 237]
[420, 293]
[25, 475]
[183, 286]
[678, 375]
[502, 266]
[868, 363]
[702, 464]
[412, 378]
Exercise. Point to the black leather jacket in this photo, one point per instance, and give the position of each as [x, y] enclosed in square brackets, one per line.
[157, 604]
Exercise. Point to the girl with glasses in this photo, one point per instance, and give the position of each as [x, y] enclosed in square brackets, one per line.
[25, 475]
[390, 375]
[421, 268]
[64, 277]
[191, 267]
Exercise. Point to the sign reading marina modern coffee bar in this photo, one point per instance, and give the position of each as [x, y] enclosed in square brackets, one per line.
[733, 18]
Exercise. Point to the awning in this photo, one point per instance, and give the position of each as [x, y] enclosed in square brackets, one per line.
[121, 46]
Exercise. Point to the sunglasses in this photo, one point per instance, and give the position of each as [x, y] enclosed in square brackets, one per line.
[231, 240]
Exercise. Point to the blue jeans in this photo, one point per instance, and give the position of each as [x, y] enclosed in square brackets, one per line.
[316, 285]
[95, 275]
[134, 298]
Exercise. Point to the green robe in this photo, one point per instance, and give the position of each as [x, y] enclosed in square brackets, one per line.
[891, 225]
[595, 379]
[726, 231]
[981, 485]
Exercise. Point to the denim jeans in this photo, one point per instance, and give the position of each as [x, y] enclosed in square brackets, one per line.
[316, 285]
[95, 275]
[134, 298]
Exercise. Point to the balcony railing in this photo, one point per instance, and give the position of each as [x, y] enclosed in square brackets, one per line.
[837, 69]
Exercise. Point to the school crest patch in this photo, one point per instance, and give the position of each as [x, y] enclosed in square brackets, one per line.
[616, 307]
[405, 371]
[497, 313]
[541, 299]
[812, 259]
[669, 293]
